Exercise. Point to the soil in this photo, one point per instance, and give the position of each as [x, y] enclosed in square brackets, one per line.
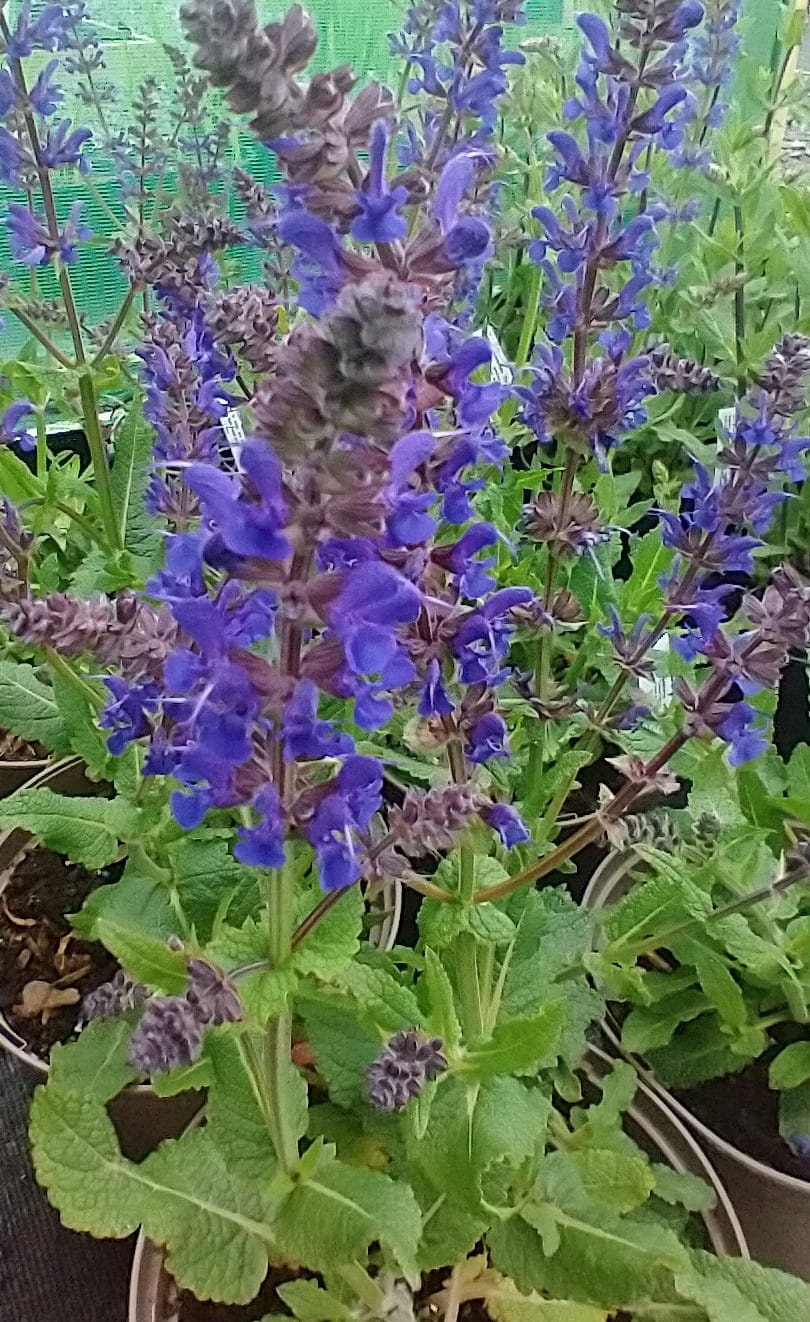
[743, 1110]
[36, 944]
[15, 749]
[183, 1307]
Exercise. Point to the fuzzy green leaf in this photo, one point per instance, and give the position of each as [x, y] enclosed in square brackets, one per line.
[698, 1053]
[442, 1017]
[506, 1304]
[791, 1067]
[343, 1047]
[94, 1065]
[205, 874]
[519, 1046]
[333, 1217]
[383, 1001]
[654, 1025]
[216, 1227]
[309, 1302]
[28, 707]
[78, 1163]
[777, 1296]
[234, 1116]
[137, 902]
[129, 481]
[79, 828]
[148, 960]
[471, 1127]
[682, 1188]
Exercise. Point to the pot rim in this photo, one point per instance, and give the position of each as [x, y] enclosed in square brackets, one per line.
[649, 1111]
[599, 893]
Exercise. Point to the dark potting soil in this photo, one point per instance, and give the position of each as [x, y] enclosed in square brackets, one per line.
[743, 1110]
[183, 1307]
[37, 945]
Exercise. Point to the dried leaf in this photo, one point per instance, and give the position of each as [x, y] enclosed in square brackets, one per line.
[41, 1000]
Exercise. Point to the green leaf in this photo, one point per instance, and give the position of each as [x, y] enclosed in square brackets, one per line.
[336, 1215]
[79, 828]
[506, 1304]
[791, 1067]
[717, 982]
[95, 1064]
[778, 1296]
[683, 1188]
[450, 1231]
[81, 728]
[490, 924]
[519, 1046]
[137, 902]
[608, 1179]
[440, 924]
[344, 1048]
[382, 1001]
[78, 1163]
[794, 1112]
[266, 993]
[309, 1302]
[205, 874]
[334, 942]
[698, 1053]
[654, 1026]
[129, 481]
[148, 960]
[617, 1264]
[552, 933]
[186, 1078]
[215, 1226]
[28, 707]
[234, 1116]
[442, 1018]
[471, 1127]
[642, 591]
[720, 1298]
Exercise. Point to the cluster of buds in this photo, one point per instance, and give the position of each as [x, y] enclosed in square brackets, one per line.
[124, 632]
[172, 1028]
[405, 1065]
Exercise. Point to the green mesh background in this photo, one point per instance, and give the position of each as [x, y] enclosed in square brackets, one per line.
[350, 31]
[133, 33]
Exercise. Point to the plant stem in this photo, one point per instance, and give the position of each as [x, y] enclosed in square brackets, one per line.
[42, 447]
[62, 668]
[465, 948]
[588, 833]
[112, 334]
[43, 339]
[278, 1065]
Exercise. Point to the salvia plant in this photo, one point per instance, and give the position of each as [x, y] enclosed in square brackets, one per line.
[706, 952]
[371, 663]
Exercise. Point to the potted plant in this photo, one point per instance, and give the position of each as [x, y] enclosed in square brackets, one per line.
[341, 673]
[710, 978]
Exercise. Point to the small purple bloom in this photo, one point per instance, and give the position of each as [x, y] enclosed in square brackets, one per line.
[262, 846]
[306, 737]
[379, 221]
[487, 739]
[13, 427]
[508, 824]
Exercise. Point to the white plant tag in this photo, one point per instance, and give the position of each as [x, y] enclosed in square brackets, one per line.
[500, 367]
[727, 421]
[658, 688]
[234, 433]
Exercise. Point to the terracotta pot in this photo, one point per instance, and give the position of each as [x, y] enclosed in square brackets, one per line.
[142, 1119]
[774, 1209]
[650, 1122]
[13, 775]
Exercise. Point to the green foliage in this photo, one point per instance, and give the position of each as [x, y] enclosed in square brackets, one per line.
[28, 707]
[85, 830]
